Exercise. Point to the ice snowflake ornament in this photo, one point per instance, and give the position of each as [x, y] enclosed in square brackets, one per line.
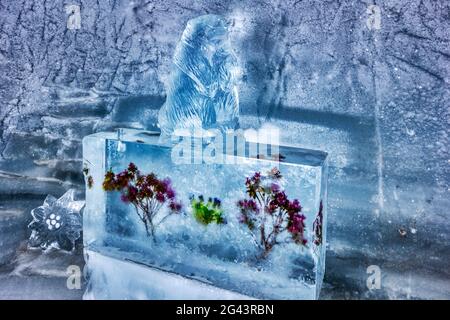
[57, 223]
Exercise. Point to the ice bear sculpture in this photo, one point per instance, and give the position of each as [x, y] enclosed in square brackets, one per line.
[202, 92]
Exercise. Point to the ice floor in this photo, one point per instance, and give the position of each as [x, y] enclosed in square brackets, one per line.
[34, 275]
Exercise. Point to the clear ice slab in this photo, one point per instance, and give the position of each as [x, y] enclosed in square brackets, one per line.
[202, 91]
[216, 256]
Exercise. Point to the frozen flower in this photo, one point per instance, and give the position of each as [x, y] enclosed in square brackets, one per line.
[294, 206]
[281, 199]
[175, 207]
[160, 197]
[272, 207]
[145, 192]
[170, 192]
[209, 212]
[122, 180]
[275, 173]
[132, 168]
[90, 182]
[274, 187]
[317, 226]
[151, 179]
[109, 183]
[165, 184]
[248, 205]
[132, 193]
[265, 193]
[217, 202]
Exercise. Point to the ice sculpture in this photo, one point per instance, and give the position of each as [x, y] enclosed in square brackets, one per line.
[206, 251]
[208, 214]
[202, 91]
[57, 223]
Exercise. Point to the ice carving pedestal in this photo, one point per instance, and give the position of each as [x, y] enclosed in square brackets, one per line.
[190, 260]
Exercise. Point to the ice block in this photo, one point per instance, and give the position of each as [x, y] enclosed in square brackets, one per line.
[211, 258]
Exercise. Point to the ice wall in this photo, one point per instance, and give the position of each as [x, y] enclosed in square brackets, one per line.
[373, 93]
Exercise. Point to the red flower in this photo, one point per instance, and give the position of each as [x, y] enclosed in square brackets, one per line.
[132, 193]
[132, 168]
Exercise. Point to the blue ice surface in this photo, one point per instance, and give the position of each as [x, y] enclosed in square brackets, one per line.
[202, 91]
[221, 256]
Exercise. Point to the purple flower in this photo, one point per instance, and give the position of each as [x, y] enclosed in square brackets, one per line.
[256, 177]
[160, 197]
[294, 206]
[251, 205]
[124, 198]
[272, 207]
[275, 188]
[170, 193]
[175, 207]
[281, 199]
[132, 194]
[166, 183]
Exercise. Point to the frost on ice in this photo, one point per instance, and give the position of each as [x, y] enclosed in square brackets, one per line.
[202, 92]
